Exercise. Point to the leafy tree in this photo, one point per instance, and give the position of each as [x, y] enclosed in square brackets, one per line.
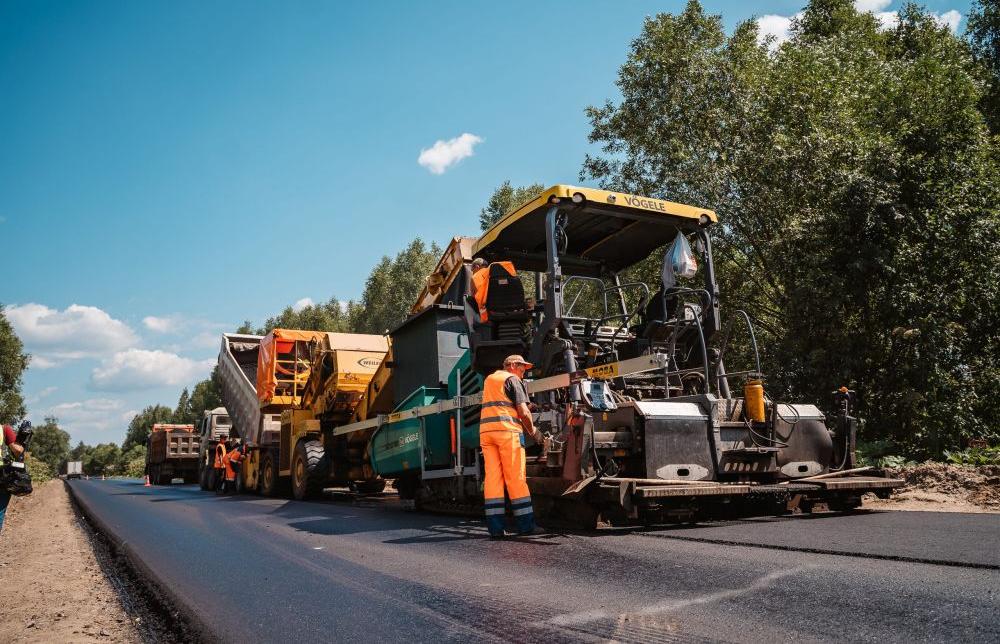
[132, 463]
[13, 362]
[50, 443]
[142, 424]
[392, 287]
[327, 316]
[103, 459]
[206, 395]
[183, 412]
[984, 38]
[78, 452]
[856, 186]
[506, 199]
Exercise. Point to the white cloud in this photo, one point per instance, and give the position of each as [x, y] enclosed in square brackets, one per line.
[774, 25]
[780, 26]
[40, 395]
[889, 19]
[85, 416]
[41, 362]
[871, 5]
[303, 303]
[77, 332]
[443, 154]
[949, 19]
[142, 369]
[161, 325]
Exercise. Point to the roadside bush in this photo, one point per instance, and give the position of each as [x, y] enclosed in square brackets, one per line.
[135, 468]
[40, 470]
[978, 456]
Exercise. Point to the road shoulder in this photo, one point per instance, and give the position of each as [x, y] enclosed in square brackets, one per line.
[55, 589]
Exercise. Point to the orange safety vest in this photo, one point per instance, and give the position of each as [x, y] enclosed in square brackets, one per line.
[481, 282]
[220, 453]
[231, 457]
[498, 413]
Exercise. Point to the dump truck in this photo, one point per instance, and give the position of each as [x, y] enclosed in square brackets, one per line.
[172, 452]
[214, 426]
[307, 458]
[265, 376]
[255, 399]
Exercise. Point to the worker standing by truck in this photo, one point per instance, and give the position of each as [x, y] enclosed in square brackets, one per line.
[504, 420]
[219, 465]
[231, 463]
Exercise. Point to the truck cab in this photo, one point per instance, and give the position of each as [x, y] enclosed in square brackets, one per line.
[213, 427]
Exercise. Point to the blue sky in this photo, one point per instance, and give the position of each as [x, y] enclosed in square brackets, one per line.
[169, 169]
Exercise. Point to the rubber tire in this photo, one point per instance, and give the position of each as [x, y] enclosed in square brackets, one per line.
[374, 486]
[308, 469]
[203, 477]
[268, 475]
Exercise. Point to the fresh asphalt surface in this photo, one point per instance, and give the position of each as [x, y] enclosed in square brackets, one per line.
[272, 570]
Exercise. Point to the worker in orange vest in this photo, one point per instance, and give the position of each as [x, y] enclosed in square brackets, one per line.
[504, 420]
[232, 461]
[481, 283]
[218, 465]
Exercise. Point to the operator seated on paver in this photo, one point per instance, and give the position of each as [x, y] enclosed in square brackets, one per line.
[481, 283]
[219, 463]
[480, 275]
[504, 419]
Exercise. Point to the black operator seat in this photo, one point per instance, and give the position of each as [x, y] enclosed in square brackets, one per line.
[505, 295]
[505, 330]
[661, 308]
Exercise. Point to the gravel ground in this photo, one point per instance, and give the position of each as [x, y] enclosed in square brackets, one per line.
[54, 586]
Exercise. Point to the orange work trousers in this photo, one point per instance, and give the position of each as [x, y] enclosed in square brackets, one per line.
[503, 456]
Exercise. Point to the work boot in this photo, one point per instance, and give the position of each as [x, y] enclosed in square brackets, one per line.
[534, 532]
[500, 535]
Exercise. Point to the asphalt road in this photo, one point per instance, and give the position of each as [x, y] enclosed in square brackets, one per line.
[269, 570]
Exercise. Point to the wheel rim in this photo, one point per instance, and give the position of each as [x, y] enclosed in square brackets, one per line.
[300, 472]
[268, 475]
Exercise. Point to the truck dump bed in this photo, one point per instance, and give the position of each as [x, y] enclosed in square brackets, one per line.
[238, 371]
[172, 452]
[171, 442]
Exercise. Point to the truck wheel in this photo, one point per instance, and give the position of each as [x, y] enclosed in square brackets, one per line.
[203, 477]
[268, 476]
[308, 469]
[374, 486]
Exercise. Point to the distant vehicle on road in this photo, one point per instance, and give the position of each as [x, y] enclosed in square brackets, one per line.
[172, 452]
[214, 426]
[74, 469]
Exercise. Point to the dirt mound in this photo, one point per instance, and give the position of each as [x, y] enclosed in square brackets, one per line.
[945, 487]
